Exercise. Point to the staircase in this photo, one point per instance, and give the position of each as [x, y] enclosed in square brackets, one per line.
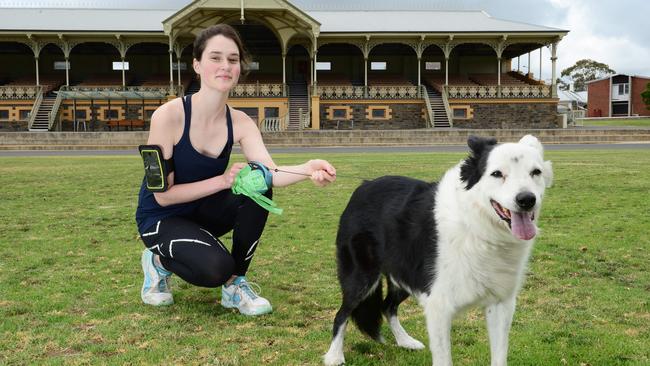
[194, 86]
[438, 107]
[42, 121]
[298, 100]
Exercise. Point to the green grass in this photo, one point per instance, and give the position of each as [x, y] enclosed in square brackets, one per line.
[70, 274]
[636, 122]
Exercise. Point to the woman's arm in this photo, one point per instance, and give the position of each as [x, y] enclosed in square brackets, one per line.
[165, 124]
[319, 171]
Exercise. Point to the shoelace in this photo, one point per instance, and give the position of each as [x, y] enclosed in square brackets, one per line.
[245, 286]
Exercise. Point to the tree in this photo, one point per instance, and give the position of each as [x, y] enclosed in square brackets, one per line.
[646, 96]
[582, 72]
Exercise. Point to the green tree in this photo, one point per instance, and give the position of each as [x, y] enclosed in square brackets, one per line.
[582, 72]
[646, 96]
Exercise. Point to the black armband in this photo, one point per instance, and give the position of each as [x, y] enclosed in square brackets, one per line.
[156, 168]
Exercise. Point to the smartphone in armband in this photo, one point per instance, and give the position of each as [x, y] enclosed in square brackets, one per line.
[156, 168]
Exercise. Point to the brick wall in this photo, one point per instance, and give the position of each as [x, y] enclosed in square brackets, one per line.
[401, 116]
[639, 86]
[598, 98]
[511, 115]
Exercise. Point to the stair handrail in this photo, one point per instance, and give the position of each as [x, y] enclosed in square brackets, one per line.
[55, 109]
[445, 102]
[35, 107]
[427, 102]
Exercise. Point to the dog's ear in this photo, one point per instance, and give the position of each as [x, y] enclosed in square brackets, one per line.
[478, 144]
[473, 167]
[547, 174]
[533, 142]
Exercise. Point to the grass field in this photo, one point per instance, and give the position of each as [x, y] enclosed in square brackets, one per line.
[70, 274]
[637, 122]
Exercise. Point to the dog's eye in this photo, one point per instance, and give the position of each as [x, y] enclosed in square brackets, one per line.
[497, 174]
[535, 172]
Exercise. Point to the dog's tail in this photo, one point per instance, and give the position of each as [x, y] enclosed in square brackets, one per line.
[367, 315]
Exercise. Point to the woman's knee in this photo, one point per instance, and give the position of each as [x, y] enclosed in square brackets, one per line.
[216, 271]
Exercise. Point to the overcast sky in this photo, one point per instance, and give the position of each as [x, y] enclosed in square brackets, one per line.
[612, 32]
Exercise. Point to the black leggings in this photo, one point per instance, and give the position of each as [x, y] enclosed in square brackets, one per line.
[189, 246]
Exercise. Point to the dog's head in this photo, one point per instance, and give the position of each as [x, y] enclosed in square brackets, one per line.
[508, 181]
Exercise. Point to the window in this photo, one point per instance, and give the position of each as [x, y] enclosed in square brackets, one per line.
[110, 114]
[623, 89]
[60, 65]
[175, 65]
[253, 113]
[23, 114]
[325, 65]
[339, 113]
[254, 65]
[271, 112]
[4, 114]
[378, 66]
[119, 65]
[148, 113]
[379, 113]
[432, 66]
[81, 114]
[460, 113]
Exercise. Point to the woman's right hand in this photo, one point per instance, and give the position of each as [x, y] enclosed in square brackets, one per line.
[228, 178]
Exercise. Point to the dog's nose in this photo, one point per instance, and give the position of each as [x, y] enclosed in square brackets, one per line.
[525, 200]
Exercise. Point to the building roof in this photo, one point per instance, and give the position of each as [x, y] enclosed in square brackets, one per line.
[613, 75]
[148, 15]
[419, 21]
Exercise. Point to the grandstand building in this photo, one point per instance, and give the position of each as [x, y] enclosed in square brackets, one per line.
[80, 65]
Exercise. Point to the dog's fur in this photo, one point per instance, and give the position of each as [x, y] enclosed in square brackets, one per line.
[448, 244]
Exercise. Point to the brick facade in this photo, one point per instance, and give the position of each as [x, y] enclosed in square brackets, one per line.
[598, 94]
[400, 116]
[510, 115]
[639, 85]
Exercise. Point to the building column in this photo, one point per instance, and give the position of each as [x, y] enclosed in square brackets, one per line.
[499, 77]
[419, 71]
[446, 71]
[284, 68]
[519, 63]
[67, 71]
[540, 63]
[553, 77]
[123, 76]
[529, 71]
[178, 70]
[171, 68]
[37, 77]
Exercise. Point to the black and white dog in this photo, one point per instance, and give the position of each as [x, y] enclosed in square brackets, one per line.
[462, 242]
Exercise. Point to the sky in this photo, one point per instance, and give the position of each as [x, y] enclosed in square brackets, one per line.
[612, 32]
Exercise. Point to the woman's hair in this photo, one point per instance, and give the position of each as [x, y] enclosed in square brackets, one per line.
[227, 31]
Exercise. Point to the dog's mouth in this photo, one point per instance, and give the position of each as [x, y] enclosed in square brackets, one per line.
[520, 223]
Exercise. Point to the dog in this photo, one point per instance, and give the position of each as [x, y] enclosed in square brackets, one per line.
[455, 244]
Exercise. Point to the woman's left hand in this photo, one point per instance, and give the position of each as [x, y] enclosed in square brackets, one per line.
[322, 172]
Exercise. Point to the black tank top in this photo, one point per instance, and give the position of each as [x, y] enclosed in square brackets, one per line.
[190, 166]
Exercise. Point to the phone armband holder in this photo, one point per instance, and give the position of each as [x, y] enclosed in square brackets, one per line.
[156, 168]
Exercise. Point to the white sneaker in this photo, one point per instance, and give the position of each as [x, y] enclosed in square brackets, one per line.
[240, 295]
[155, 289]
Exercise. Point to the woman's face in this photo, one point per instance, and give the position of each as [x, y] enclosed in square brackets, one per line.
[220, 66]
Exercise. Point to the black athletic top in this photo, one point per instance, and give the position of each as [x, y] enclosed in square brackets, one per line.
[189, 166]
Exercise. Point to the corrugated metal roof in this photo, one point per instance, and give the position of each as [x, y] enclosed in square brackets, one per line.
[419, 21]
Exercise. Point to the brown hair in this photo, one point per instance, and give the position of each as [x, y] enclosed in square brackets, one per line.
[226, 31]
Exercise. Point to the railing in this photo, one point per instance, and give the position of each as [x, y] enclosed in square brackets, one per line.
[367, 92]
[20, 91]
[304, 119]
[258, 90]
[574, 116]
[427, 102]
[445, 102]
[35, 107]
[496, 91]
[274, 124]
[55, 111]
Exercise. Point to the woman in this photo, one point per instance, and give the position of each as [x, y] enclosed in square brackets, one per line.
[180, 226]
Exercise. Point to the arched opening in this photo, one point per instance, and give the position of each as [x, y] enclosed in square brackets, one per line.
[346, 64]
[392, 64]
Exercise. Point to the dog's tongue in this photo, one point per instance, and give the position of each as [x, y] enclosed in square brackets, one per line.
[522, 225]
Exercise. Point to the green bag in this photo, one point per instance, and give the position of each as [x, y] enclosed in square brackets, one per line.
[253, 181]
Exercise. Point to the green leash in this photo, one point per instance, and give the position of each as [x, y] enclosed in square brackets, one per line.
[253, 181]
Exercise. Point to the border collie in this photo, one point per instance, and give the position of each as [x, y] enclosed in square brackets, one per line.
[462, 242]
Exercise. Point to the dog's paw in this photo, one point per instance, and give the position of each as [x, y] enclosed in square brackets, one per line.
[410, 343]
[333, 359]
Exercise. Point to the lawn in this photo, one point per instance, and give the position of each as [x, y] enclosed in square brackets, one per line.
[70, 274]
[634, 122]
